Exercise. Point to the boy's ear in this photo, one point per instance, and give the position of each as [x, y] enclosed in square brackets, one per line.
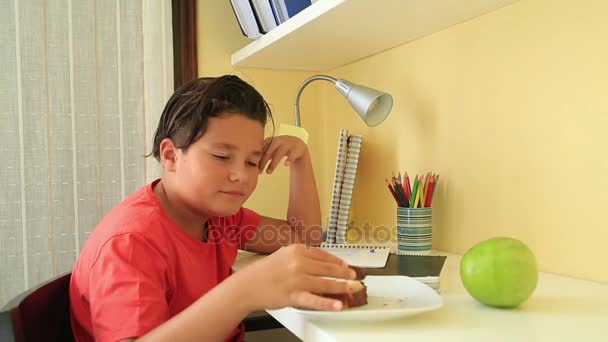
[168, 154]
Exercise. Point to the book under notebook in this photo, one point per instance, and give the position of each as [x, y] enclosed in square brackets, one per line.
[425, 268]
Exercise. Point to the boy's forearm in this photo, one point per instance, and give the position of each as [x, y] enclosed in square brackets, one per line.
[304, 210]
[211, 318]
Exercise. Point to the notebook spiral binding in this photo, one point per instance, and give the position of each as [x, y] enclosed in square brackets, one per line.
[348, 246]
[343, 245]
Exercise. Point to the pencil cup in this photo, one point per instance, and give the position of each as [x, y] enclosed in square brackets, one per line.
[414, 230]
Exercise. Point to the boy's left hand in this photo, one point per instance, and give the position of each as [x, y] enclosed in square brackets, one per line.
[282, 146]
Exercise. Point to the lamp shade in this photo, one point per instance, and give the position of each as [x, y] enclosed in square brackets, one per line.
[373, 106]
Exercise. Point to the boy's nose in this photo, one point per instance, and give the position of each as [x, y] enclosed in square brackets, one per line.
[237, 174]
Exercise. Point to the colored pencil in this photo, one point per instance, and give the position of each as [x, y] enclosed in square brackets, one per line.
[417, 200]
[401, 193]
[429, 191]
[423, 187]
[399, 186]
[390, 188]
[434, 187]
[414, 193]
[408, 187]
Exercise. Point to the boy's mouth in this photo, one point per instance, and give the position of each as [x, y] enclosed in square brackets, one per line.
[233, 193]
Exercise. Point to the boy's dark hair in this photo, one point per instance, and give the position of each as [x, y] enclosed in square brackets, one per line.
[187, 112]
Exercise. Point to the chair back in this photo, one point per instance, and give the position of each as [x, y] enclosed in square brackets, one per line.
[39, 314]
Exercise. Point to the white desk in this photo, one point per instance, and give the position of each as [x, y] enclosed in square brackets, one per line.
[561, 309]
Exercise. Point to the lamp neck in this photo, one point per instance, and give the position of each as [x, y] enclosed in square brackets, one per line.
[299, 92]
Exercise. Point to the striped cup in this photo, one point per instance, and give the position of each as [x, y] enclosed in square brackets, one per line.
[414, 230]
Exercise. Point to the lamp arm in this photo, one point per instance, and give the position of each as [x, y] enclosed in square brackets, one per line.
[299, 92]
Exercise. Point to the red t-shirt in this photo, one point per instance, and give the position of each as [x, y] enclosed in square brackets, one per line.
[138, 268]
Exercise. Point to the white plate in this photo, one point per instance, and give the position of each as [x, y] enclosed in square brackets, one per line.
[388, 297]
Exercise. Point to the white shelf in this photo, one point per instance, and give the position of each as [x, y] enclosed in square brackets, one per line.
[332, 33]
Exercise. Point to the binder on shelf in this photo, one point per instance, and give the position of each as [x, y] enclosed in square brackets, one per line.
[294, 7]
[285, 9]
[246, 18]
[275, 12]
[257, 17]
[263, 12]
[280, 12]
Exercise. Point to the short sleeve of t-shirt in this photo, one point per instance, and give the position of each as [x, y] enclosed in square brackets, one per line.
[127, 295]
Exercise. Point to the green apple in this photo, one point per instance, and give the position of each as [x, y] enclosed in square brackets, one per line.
[499, 272]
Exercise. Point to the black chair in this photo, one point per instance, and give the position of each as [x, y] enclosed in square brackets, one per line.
[43, 314]
[39, 314]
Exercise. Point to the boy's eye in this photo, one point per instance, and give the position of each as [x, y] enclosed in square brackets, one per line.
[220, 157]
[253, 164]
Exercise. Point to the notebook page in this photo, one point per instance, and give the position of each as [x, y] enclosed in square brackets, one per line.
[360, 256]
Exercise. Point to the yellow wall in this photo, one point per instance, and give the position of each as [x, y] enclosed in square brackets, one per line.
[509, 108]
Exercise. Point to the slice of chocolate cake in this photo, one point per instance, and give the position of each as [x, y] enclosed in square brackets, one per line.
[357, 296]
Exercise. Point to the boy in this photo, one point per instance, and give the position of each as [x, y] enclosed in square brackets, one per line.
[157, 267]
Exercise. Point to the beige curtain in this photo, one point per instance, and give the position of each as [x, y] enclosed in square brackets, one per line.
[82, 84]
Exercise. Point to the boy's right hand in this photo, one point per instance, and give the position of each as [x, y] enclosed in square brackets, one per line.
[292, 277]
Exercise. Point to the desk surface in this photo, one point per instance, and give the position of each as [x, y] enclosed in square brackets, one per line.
[561, 309]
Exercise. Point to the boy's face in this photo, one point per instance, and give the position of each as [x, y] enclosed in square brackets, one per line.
[219, 171]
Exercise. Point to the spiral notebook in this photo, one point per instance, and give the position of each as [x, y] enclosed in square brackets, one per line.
[360, 256]
[332, 230]
[347, 160]
[348, 185]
